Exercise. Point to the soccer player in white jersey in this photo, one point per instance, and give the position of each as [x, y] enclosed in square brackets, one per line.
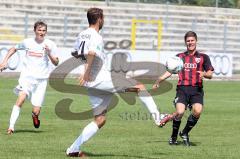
[97, 79]
[33, 78]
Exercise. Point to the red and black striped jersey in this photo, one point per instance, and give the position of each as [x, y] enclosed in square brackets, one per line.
[193, 63]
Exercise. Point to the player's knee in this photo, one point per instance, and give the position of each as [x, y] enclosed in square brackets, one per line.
[100, 121]
[180, 113]
[197, 111]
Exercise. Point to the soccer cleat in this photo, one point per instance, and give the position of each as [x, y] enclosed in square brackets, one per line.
[166, 118]
[185, 138]
[10, 131]
[173, 141]
[75, 154]
[36, 121]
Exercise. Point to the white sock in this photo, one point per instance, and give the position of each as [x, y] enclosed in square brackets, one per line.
[87, 133]
[148, 101]
[14, 116]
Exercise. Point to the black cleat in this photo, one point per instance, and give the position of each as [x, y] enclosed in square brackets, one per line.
[185, 138]
[173, 141]
[77, 154]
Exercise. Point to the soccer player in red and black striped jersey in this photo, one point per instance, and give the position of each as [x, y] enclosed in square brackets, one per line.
[189, 92]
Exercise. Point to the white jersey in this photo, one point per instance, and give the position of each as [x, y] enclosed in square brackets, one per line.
[91, 40]
[36, 62]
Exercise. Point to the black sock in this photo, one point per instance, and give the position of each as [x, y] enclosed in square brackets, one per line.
[191, 122]
[175, 127]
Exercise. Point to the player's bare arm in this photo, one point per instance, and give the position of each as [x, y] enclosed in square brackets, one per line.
[160, 79]
[53, 59]
[3, 65]
[207, 74]
[90, 58]
[86, 76]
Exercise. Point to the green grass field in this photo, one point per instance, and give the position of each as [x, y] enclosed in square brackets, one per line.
[124, 135]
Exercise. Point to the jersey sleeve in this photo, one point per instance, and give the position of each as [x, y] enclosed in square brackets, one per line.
[207, 65]
[96, 45]
[76, 44]
[21, 45]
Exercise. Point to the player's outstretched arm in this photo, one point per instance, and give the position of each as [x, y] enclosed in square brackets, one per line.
[160, 79]
[3, 65]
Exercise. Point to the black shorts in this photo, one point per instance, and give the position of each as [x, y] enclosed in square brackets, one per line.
[188, 95]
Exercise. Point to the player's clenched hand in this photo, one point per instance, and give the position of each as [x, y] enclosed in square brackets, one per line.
[3, 66]
[81, 80]
[201, 74]
[47, 49]
[155, 86]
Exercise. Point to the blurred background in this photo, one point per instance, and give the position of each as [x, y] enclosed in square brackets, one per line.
[138, 25]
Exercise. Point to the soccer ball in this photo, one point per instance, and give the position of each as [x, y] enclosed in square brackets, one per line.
[174, 64]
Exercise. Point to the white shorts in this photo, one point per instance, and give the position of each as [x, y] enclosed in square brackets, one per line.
[101, 93]
[34, 88]
[100, 100]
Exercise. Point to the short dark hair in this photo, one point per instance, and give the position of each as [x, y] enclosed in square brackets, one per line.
[39, 23]
[190, 34]
[93, 14]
